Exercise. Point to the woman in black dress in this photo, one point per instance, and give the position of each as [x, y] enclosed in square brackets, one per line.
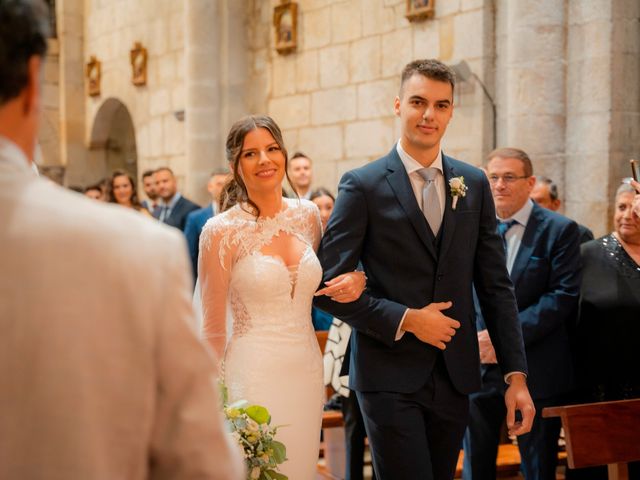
[608, 331]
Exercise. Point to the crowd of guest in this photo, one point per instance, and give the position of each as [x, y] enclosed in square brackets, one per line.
[575, 296]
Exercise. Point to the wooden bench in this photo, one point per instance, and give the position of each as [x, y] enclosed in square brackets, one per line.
[507, 462]
[604, 433]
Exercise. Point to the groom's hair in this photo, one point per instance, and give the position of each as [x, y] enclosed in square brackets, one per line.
[430, 68]
[24, 29]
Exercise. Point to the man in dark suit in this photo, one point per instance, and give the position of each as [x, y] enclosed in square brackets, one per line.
[196, 219]
[543, 258]
[174, 207]
[545, 194]
[422, 244]
[149, 187]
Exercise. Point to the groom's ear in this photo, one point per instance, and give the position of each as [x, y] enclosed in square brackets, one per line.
[396, 106]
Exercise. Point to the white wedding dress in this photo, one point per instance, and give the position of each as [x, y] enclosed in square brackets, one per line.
[271, 355]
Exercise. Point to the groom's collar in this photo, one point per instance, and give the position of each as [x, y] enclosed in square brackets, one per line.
[412, 165]
[12, 154]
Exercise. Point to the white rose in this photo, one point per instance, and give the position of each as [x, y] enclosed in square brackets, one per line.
[455, 183]
[252, 425]
[255, 473]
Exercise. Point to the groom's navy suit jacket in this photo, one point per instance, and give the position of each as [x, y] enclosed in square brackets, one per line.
[377, 221]
[546, 278]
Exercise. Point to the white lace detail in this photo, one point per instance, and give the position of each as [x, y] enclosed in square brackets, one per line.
[264, 273]
[241, 231]
[241, 318]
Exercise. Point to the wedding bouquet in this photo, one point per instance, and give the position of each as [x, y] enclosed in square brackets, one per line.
[250, 427]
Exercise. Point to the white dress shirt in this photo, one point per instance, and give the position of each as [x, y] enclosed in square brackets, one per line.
[167, 208]
[11, 153]
[412, 166]
[513, 237]
[125, 392]
[513, 240]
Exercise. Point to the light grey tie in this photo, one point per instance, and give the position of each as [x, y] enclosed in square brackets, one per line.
[430, 199]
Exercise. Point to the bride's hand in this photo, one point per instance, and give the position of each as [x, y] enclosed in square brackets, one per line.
[345, 288]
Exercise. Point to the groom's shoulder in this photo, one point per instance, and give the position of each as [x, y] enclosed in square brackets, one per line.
[371, 171]
[470, 172]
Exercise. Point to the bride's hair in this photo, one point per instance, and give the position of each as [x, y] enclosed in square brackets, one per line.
[235, 191]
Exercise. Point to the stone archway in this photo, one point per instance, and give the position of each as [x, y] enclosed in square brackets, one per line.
[112, 145]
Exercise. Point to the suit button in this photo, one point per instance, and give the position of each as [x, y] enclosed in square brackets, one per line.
[439, 277]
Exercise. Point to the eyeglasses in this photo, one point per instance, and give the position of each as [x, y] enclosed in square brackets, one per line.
[508, 178]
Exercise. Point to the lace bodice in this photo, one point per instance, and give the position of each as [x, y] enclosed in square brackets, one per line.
[264, 270]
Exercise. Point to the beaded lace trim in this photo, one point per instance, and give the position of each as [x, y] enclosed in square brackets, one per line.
[237, 228]
[614, 250]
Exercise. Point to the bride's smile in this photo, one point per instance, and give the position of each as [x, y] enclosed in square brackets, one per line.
[262, 162]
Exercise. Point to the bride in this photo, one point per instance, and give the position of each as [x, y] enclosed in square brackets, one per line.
[258, 259]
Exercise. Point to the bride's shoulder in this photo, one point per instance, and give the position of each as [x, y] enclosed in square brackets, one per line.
[222, 223]
[306, 207]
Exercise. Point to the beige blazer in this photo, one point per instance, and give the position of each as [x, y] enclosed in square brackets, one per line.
[101, 373]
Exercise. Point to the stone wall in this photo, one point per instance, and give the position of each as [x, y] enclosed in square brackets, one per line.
[49, 134]
[113, 26]
[563, 74]
[603, 105]
[334, 96]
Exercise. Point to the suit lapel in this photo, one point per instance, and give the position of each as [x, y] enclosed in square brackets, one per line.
[529, 240]
[401, 186]
[177, 208]
[449, 217]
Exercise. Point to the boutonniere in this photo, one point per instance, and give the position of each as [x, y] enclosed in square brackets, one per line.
[458, 189]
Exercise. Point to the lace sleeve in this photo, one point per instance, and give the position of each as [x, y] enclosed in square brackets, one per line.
[315, 225]
[214, 271]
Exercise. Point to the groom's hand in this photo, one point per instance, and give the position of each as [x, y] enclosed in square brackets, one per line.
[517, 398]
[430, 325]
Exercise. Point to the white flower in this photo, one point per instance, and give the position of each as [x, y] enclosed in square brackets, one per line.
[455, 183]
[458, 189]
[255, 473]
[252, 425]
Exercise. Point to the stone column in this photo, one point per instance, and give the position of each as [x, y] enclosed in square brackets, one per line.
[70, 18]
[216, 71]
[625, 93]
[204, 141]
[533, 85]
[603, 112]
[588, 112]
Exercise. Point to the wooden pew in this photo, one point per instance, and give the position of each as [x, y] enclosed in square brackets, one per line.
[507, 462]
[605, 433]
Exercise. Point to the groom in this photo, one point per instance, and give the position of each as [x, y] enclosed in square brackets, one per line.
[414, 351]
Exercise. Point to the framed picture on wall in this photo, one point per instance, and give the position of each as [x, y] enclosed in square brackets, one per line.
[285, 22]
[420, 9]
[138, 64]
[93, 74]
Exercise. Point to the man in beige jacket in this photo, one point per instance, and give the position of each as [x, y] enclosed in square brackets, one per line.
[101, 373]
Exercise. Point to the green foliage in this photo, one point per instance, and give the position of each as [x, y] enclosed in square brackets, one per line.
[250, 427]
[259, 414]
[273, 475]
